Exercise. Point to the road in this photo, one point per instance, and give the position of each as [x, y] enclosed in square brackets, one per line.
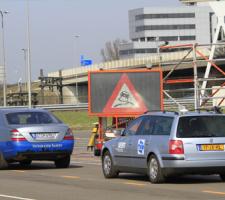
[84, 180]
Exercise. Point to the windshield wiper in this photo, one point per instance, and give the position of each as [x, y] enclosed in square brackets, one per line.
[207, 135]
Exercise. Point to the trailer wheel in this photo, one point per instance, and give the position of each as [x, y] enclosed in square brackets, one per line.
[97, 152]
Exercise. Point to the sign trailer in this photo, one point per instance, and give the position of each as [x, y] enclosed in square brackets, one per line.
[123, 94]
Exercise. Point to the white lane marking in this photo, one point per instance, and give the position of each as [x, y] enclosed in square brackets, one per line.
[214, 192]
[14, 197]
[20, 171]
[134, 183]
[70, 177]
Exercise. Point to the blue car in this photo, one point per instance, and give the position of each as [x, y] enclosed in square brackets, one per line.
[34, 134]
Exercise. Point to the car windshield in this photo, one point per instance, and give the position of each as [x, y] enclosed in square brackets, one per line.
[19, 118]
[201, 126]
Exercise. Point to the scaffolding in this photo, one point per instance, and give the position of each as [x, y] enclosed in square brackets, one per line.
[203, 97]
[205, 94]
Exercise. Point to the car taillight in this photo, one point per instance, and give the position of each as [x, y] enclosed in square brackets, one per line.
[176, 147]
[17, 136]
[69, 135]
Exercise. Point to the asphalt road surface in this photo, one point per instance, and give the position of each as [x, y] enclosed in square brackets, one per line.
[84, 181]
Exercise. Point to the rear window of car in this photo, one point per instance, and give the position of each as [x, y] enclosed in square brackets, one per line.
[201, 126]
[19, 118]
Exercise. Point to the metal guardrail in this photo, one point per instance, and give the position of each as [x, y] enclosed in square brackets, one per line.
[54, 107]
[168, 104]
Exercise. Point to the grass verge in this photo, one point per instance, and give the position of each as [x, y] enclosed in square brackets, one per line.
[77, 120]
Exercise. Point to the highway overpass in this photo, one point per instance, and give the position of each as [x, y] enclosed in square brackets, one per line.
[75, 79]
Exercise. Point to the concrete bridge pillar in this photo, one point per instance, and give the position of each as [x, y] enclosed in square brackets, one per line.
[70, 97]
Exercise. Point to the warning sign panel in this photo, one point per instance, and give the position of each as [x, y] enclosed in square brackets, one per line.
[124, 93]
[125, 98]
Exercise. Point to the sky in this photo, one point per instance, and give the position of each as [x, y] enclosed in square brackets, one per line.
[53, 27]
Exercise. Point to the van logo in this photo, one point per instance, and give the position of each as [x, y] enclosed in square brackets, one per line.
[211, 140]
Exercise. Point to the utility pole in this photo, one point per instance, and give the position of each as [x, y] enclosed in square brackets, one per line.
[28, 57]
[76, 47]
[2, 13]
[25, 68]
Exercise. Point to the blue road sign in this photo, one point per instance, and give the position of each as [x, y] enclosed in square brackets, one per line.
[85, 62]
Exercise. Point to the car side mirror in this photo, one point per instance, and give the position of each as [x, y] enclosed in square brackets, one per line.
[119, 132]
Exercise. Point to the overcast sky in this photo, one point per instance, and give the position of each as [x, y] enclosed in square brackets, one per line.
[54, 24]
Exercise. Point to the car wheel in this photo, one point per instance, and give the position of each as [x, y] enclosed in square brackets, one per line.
[3, 162]
[63, 162]
[155, 171]
[222, 176]
[25, 163]
[108, 168]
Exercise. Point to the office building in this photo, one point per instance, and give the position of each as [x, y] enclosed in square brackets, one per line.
[151, 27]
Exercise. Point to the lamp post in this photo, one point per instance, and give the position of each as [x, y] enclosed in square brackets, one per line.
[28, 57]
[158, 49]
[25, 67]
[2, 13]
[76, 47]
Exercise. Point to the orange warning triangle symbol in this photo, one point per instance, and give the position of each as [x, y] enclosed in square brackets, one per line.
[125, 99]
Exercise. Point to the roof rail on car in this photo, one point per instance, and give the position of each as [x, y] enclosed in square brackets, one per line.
[163, 111]
[215, 109]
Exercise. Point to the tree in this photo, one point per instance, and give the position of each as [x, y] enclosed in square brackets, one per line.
[111, 50]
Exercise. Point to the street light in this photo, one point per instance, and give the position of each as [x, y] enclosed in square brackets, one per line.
[158, 48]
[25, 67]
[76, 47]
[28, 56]
[2, 13]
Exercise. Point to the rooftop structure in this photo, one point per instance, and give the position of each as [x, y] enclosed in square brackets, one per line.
[193, 2]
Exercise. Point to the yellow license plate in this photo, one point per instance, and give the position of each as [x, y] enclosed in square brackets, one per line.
[212, 147]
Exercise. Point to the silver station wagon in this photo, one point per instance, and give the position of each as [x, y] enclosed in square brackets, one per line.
[163, 144]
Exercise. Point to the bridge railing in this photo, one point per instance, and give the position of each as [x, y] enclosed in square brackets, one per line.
[126, 63]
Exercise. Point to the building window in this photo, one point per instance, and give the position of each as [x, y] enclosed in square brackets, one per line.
[148, 51]
[168, 38]
[165, 27]
[138, 51]
[149, 39]
[187, 37]
[135, 39]
[164, 15]
[151, 50]
[142, 39]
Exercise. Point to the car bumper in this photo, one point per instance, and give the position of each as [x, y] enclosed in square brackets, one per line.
[38, 151]
[193, 163]
[193, 170]
[194, 167]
